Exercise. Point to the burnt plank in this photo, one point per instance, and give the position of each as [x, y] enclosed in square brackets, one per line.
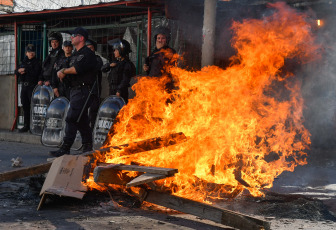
[139, 168]
[218, 215]
[145, 178]
[25, 172]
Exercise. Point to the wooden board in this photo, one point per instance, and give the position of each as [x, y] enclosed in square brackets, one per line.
[218, 215]
[25, 172]
[115, 173]
[145, 178]
[139, 168]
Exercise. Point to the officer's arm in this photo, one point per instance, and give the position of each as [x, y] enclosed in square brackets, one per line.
[70, 70]
[65, 71]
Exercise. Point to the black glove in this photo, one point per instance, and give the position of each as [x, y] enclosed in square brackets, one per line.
[105, 68]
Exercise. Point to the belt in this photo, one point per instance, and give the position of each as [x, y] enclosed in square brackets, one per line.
[26, 83]
[77, 86]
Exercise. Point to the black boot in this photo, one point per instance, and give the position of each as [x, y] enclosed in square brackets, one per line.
[87, 147]
[65, 149]
[24, 129]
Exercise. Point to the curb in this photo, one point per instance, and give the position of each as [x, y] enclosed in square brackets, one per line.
[14, 136]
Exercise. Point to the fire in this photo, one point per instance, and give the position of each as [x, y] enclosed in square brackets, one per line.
[244, 123]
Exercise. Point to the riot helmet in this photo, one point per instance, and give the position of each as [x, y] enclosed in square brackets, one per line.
[55, 36]
[162, 30]
[121, 45]
[91, 42]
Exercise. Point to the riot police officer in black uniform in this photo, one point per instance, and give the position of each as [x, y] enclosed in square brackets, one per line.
[93, 110]
[55, 41]
[82, 74]
[62, 88]
[28, 73]
[122, 69]
[161, 58]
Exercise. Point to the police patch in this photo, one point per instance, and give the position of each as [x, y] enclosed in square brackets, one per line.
[80, 57]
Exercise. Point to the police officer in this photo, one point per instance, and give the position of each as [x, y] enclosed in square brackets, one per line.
[161, 55]
[122, 69]
[93, 110]
[82, 73]
[28, 73]
[62, 89]
[55, 41]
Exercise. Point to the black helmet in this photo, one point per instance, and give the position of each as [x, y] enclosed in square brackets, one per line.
[55, 36]
[91, 42]
[122, 45]
[162, 30]
[30, 48]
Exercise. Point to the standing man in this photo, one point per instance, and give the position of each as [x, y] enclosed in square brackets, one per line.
[28, 73]
[55, 41]
[93, 110]
[122, 69]
[62, 89]
[161, 58]
[82, 74]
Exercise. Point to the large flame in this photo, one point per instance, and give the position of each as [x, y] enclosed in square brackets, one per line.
[244, 123]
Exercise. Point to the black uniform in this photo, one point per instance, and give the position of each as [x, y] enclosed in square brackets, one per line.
[64, 86]
[158, 62]
[48, 64]
[96, 93]
[120, 76]
[28, 80]
[84, 61]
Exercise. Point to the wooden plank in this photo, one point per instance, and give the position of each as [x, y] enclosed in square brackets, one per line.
[145, 178]
[145, 145]
[25, 172]
[218, 215]
[138, 168]
[127, 149]
[110, 175]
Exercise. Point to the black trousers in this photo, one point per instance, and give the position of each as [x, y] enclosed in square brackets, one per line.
[78, 96]
[93, 110]
[26, 95]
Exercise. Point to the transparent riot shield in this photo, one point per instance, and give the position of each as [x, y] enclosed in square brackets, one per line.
[54, 125]
[107, 112]
[41, 98]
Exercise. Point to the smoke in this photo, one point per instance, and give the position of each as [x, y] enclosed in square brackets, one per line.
[319, 88]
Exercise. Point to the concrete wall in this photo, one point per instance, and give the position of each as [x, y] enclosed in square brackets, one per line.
[7, 101]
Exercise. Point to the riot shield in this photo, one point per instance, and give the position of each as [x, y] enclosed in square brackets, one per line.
[41, 97]
[107, 112]
[54, 125]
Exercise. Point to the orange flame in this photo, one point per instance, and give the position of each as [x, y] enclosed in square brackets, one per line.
[244, 123]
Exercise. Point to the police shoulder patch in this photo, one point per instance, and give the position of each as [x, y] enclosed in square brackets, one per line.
[80, 57]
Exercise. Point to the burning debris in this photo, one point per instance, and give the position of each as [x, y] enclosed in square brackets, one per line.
[244, 124]
[244, 127]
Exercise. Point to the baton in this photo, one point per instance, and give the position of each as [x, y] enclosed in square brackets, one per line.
[87, 100]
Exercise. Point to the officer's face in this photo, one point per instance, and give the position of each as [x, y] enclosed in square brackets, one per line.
[68, 50]
[161, 41]
[30, 55]
[76, 39]
[91, 47]
[54, 44]
[116, 53]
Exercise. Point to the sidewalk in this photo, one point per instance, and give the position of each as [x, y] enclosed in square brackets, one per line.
[15, 136]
